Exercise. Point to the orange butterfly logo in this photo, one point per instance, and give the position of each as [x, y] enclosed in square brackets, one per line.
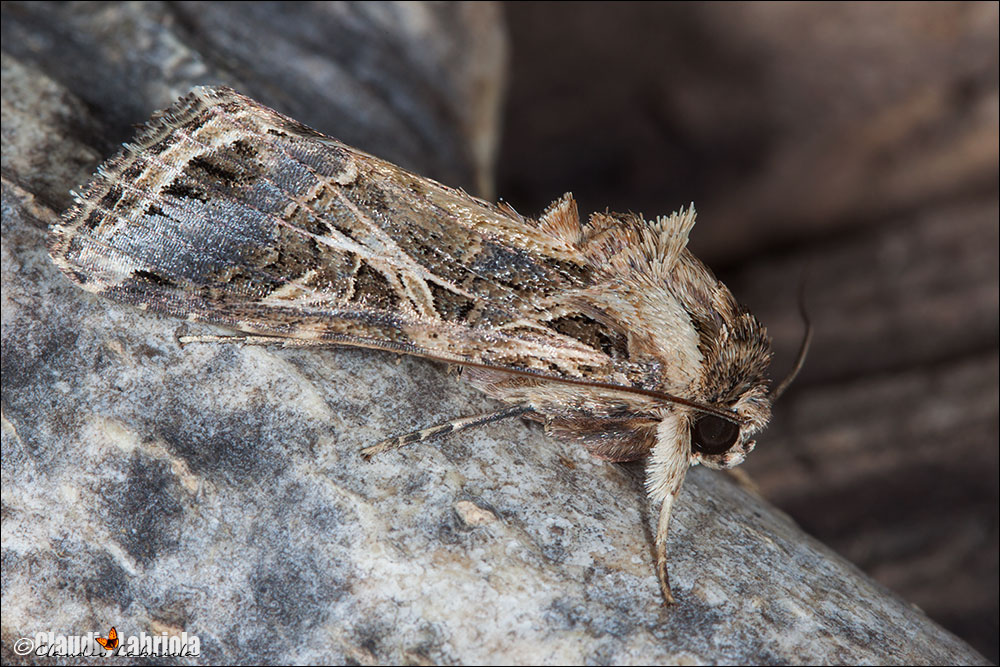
[111, 643]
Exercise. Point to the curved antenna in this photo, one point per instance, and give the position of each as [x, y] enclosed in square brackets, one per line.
[404, 348]
[800, 360]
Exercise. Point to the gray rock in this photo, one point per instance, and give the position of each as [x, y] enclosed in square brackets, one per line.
[217, 490]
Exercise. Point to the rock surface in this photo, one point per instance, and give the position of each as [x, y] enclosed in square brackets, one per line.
[217, 490]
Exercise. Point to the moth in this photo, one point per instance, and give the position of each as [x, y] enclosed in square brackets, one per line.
[609, 332]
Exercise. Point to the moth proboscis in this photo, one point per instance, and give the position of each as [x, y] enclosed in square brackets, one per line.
[609, 332]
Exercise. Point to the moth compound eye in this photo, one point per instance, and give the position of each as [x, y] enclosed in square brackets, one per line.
[713, 435]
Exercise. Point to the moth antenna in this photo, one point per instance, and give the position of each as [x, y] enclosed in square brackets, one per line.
[800, 360]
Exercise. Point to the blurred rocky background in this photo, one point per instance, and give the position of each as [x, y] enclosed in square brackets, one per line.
[216, 489]
[853, 146]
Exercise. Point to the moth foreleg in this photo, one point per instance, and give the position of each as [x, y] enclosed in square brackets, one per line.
[661, 548]
[451, 426]
[665, 473]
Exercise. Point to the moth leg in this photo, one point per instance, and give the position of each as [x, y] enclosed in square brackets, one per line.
[661, 548]
[665, 471]
[253, 340]
[451, 426]
[744, 481]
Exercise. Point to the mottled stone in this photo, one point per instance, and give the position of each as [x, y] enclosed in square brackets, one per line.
[218, 490]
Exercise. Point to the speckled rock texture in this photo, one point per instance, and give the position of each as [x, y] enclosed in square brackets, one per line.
[218, 491]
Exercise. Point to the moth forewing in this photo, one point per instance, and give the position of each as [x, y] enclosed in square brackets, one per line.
[610, 332]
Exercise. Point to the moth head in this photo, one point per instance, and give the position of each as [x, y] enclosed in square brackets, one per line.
[735, 384]
[723, 442]
[736, 378]
[715, 436]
